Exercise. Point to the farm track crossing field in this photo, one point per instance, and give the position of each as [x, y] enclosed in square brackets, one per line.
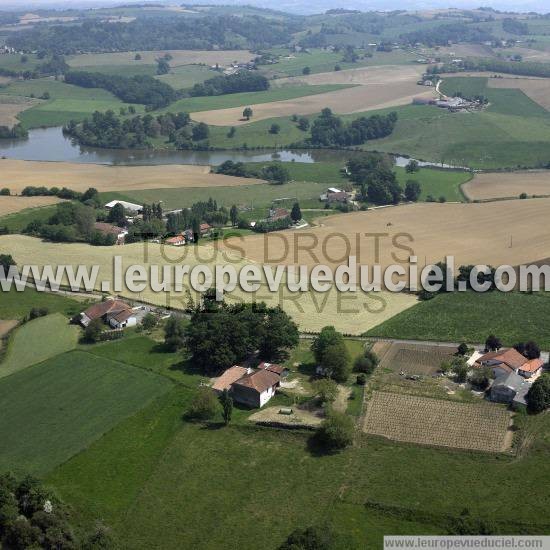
[79, 177]
[56, 409]
[494, 185]
[11, 205]
[37, 341]
[425, 421]
[379, 88]
[179, 57]
[416, 359]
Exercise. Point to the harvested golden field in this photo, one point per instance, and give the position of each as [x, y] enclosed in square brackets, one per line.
[179, 57]
[11, 106]
[507, 185]
[10, 205]
[353, 313]
[79, 177]
[377, 88]
[538, 89]
[474, 233]
[426, 421]
[5, 328]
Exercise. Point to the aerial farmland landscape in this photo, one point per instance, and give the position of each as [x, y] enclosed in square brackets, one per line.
[273, 277]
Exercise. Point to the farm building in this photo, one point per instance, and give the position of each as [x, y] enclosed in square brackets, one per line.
[109, 229]
[278, 214]
[253, 388]
[510, 388]
[509, 360]
[205, 228]
[116, 313]
[130, 206]
[178, 240]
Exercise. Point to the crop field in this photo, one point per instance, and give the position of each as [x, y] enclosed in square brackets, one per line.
[186, 76]
[538, 89]
[416, 359]
[487, 186]
[10, 107]
[11, 205]
[353, 314]
[223, 102]
[515, 317]
[425, 421]
[79, 177]
[430, 230]
[179, 57]
[388, 87]
[53, 410]
[20, 354]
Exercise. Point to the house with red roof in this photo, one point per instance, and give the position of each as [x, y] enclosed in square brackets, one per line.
[116, 313]
[508, 360]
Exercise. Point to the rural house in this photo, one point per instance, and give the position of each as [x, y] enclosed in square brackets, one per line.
[178, 240]
[509, 360]
[255, 389]
[109, 229]
[116, 313]
[510, 388]
[229, 377]
[272, 367]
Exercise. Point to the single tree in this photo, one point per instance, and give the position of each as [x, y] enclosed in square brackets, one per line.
[5, 192]
[149, 322]
[412, 166]
[296, 213]
[204, 405]
[366, 363]
[234, 215]
[538, 396]
[326, 390]
[312, 538]
[532, 350]
[174, 334]
[247, 113]
[306, 70]
[303, 124]
[227, 406]
[462, 349]
[412, 190]
[336, 431]
[274, 128]
[492, 343]
[117, 215]
[232, 131]
[93, 332]
[6, 261]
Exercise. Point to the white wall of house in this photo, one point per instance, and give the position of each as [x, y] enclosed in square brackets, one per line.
[266, 396]
[130, 322]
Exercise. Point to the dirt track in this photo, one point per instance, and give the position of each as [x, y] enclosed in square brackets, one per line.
[507, 185]
[79, 177]
[377, 88]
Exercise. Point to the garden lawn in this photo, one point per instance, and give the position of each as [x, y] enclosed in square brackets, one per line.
[471, 317]
[54, 410]
[37, 341]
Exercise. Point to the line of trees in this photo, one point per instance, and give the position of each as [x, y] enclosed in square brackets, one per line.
[523, 68]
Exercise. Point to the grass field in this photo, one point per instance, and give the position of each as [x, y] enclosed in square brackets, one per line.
[462, 317]
[481, 426]
[20, 354]
[56, 409]
[489, 186]
[186, 76]
[17, 305]
[19, 221]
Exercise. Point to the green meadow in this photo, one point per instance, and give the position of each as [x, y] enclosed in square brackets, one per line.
[462, 317]
[55, 409]
[38, 340]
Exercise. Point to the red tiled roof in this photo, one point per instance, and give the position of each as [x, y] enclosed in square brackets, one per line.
[230, 376]
[533, 365]
[108, 306]
[279, 213]
[120, 316]
[175, 240]
[260, 380]
[272, 367]
[510, 357]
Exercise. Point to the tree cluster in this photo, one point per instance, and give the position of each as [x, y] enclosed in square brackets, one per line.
[141, 89]
[221, 335]
[331, 354]
[243, 81]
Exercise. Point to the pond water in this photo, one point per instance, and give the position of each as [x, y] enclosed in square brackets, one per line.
[49, 144]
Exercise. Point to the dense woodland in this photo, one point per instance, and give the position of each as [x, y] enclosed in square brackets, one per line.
[244, 81]
[157, 34]
[141, 89]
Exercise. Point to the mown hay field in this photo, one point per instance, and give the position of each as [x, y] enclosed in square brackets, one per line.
[376, 88]
[495, 185]
[20, 173]
[10, 205]
[426, 421]
[352, 313]
[416, 359]
[494, 233]
[10, 107]
[538, 89]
